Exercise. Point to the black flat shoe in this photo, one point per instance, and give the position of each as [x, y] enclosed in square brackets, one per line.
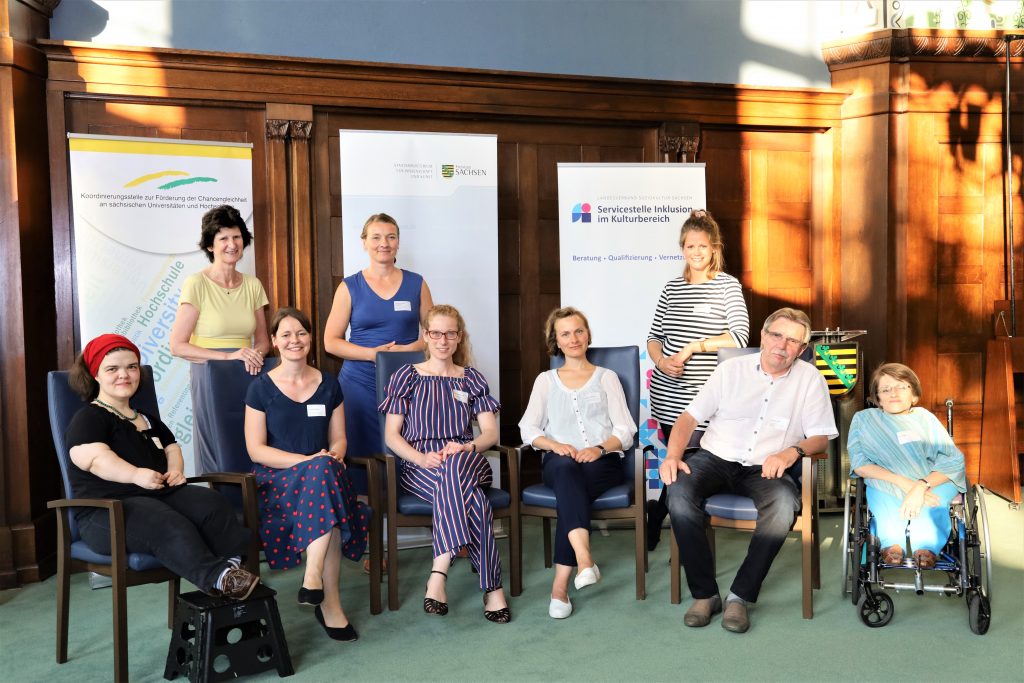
[498, 616]
[345, 634]
[310, 596]
[432, 606]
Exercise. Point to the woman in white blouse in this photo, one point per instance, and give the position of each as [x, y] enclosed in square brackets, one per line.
[578, 416]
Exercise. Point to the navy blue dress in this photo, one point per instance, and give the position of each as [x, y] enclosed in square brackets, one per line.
[299, 504]
[374, 321]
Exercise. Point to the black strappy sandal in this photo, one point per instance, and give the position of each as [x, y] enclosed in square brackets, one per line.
[432, 606]
[498, 616]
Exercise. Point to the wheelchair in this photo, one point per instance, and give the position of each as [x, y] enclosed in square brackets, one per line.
[965, 562]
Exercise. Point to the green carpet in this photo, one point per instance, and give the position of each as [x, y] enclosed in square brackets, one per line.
[610, 637]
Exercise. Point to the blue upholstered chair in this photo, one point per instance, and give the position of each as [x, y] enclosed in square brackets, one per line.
[124, 568]
[625, 501]
[406, 510]
[730, 511]
[227, 383]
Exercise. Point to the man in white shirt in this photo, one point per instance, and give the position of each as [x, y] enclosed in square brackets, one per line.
[765, 411]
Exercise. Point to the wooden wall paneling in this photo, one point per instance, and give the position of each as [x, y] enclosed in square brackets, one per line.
[278, 244]
[303, 239]
[326, 230]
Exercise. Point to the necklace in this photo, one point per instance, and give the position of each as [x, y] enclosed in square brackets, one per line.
[118, 412]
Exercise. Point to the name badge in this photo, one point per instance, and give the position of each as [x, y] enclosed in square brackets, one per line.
[403, 306]
[780, 423]
[316, 410]
[906, 437]
[702, 308]
[156, 442]
[460, 396]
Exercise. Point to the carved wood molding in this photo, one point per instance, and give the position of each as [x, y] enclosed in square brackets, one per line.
[901, 44]
[277, 129]
[300, 130]
[679, 141]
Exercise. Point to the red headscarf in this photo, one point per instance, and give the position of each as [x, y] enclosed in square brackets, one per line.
[96, 350]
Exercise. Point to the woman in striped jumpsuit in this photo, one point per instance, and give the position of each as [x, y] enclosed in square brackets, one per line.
[430, 408]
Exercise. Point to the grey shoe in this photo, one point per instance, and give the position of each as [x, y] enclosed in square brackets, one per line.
[702, 610]
[735, 618]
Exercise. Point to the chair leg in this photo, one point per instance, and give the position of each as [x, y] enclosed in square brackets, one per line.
[376, 562]
[119, 597]
[392, 564]
[63, 603]
[816, 553]
[173, 588]
[674, 572]
[807, 572]
[640, 543]
[547, 542]
[515, 548]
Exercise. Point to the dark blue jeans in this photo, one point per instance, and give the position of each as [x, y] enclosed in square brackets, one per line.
[576, 486]
[777, 502]
[192, 530]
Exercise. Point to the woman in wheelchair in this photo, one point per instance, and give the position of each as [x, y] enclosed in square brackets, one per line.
[910, 465]
[578, 415]
[430, 407]
[118, 452]
[295, 435]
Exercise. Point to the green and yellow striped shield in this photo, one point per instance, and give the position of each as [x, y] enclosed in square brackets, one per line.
[838, 365]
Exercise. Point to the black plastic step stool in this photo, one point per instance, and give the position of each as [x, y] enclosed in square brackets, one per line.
[216, 639]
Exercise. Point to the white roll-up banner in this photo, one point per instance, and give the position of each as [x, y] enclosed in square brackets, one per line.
[619, 244]
[137, 205]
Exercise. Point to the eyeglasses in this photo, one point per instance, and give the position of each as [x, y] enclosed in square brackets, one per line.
[777, 337]
[437, 334]
[885, 391]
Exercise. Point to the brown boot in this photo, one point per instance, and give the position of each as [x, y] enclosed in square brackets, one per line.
[925, 559]
[892, 555]
[238, 584]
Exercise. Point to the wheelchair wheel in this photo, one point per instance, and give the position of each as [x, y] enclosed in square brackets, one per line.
[848, 578]
[979, 555]
[875, 609]
[979, 613]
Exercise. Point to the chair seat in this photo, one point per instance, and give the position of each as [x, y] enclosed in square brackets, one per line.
[408, 504]
[730, 506]
[615, 497]
[138, 562]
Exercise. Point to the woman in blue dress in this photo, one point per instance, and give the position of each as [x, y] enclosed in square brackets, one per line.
[295, 435]
[910, 464]
[430, 409]
[381, 306]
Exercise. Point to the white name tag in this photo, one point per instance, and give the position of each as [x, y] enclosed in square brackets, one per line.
[780, 423]
[403, 306]
[460, 396]
[905, 437]
[156, 442]
[702, 308]
[316, 410]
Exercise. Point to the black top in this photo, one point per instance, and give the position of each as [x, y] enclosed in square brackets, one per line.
[93, 424]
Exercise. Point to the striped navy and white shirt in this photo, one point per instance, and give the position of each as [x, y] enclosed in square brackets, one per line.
[689, 313]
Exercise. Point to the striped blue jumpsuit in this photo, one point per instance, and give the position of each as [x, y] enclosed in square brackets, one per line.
[434, 415]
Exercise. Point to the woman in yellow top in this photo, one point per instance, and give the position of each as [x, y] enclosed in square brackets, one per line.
[220, 317]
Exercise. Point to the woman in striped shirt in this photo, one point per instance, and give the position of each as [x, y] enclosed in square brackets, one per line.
[430, 408]
[697, 314]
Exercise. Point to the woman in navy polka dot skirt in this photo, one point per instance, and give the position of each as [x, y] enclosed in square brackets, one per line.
[295, 434]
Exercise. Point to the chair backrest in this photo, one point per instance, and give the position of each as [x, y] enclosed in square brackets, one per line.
[63, 403]
[388, 363]
[226, 383]
[624, 361]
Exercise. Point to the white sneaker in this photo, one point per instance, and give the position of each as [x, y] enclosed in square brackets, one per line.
[558, 609]
[587, 576]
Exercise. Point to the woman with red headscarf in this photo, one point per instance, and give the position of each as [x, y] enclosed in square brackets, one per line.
[119, 452]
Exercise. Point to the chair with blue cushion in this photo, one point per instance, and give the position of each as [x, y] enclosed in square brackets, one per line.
[406, 510]
[625, 501]
[227, 383]
[730, 511]
[124, 568]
